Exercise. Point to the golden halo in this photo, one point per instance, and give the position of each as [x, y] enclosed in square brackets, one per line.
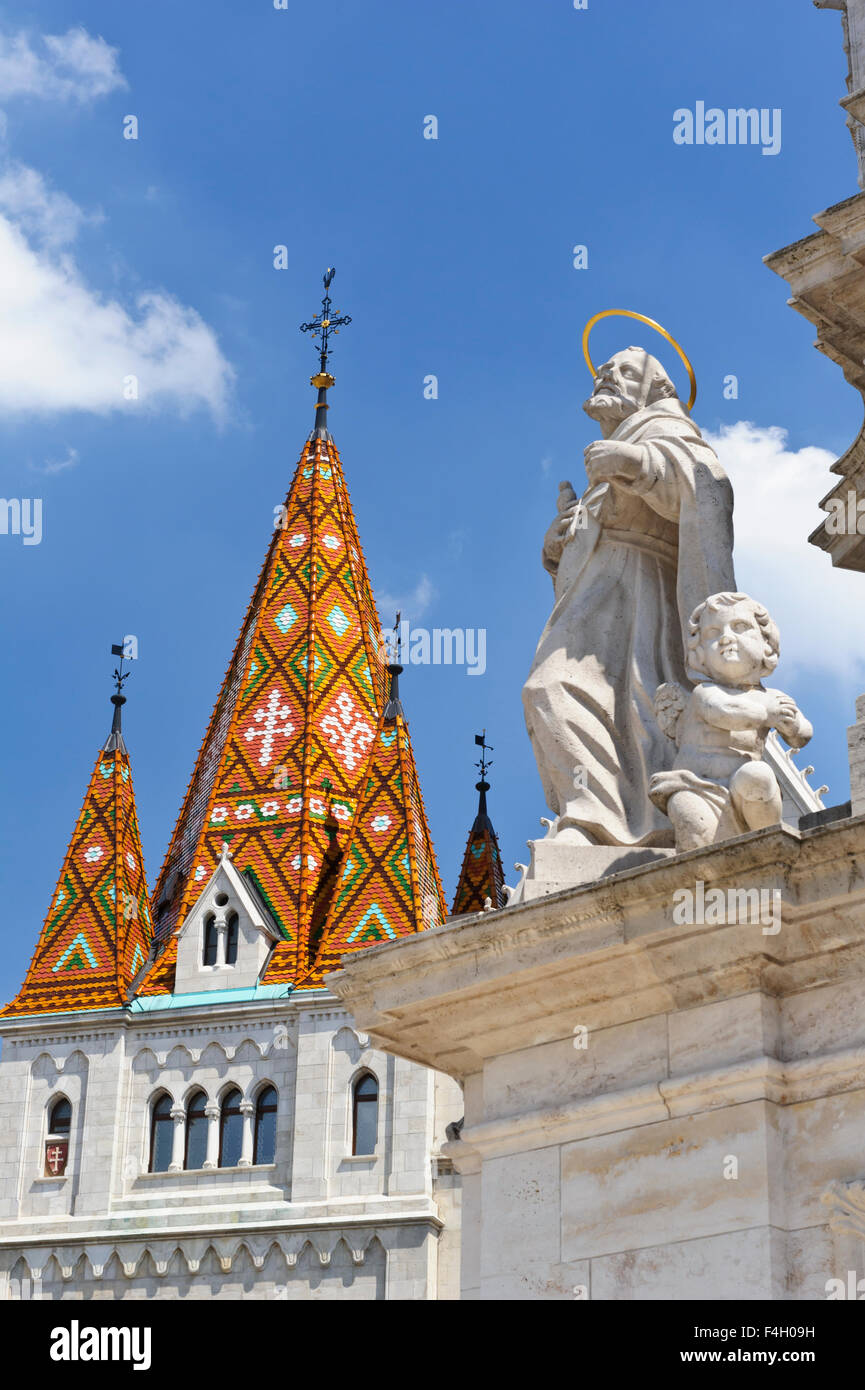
[630, 314]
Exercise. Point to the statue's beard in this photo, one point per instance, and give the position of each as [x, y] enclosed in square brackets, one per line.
[607, 405]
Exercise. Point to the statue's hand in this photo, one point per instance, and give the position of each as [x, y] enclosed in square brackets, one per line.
[608, 459]
[789, 720]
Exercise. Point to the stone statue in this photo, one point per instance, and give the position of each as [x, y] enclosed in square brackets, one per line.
[630, 561]
[719, 786]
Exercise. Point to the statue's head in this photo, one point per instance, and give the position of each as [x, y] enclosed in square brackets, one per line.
[732, 640]
[629, 381]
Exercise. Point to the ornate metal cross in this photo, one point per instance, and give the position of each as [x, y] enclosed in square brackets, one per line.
[325, 323]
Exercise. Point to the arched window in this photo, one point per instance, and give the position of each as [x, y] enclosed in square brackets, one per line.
[231, 941]
[60, 1119]
[265, 1126]
[230, 1131]
[196, 1131]
[161, 1133]
[365, 1115]
[211, 939]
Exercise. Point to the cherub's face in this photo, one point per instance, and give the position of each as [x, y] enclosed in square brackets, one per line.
[732, 646]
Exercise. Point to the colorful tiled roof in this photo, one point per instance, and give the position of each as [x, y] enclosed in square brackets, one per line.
[389, 883]
[98, 930]
[296, 748]
[481, 877]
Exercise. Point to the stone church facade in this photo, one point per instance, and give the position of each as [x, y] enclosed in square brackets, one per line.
[186, 1109]
[296, 1215]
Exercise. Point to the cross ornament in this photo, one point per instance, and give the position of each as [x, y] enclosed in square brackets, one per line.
[267, 717]
[325, 323]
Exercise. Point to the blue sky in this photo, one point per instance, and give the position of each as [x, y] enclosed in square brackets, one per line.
[304, 127]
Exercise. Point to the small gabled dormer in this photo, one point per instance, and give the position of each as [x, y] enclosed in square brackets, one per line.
[227, 936]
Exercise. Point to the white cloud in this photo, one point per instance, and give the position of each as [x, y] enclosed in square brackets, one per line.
[64, 346]
[412, 606]
[819, 610]
[52, 466]
[58, 67]
[49, 218]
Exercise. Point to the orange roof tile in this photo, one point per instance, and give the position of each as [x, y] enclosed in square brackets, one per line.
[296, 745]
[98, 930]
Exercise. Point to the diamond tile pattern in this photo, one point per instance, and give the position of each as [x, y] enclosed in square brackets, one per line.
[294, 751]
[97, 934]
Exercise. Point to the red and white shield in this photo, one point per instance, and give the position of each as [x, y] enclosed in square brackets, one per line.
[56, 1154]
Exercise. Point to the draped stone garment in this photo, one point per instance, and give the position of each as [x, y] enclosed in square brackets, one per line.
[625, 587]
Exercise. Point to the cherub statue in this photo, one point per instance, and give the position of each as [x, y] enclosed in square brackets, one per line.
[719, 786]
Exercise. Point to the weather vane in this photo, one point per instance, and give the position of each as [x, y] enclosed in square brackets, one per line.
[324, 324]
[485, 763]
[119, 649]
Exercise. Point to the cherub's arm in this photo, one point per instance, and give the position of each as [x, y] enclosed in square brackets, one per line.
[788, 719]
[746, 709]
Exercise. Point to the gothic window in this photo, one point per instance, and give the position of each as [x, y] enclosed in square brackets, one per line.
[60, 1119]
[161, 1132]
[265, 1126]
[230, 1131]
[211, 939]
[57, 1141]
[196, 1131]
[365, 1114]
[231, 940]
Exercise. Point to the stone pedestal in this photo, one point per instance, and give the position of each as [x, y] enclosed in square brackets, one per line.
[555, 865]
[664, 1073]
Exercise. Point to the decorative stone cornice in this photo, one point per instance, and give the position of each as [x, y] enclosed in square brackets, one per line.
[356, 1234]
[606, 953]
[827, 284]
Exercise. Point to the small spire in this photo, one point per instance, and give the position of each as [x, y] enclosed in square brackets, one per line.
[481, 881]
[321, 327]
[393, 708]
[115, 742]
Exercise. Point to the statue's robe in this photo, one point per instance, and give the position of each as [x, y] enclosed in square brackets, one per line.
[625, 586]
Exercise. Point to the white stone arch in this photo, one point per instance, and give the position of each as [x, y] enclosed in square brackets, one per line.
[231, 1083]
[214, 1054]
[193, 1088]
[47, 1067]
[21, 1280]
[257, 1085]
[174, 1060]
[145, 1060]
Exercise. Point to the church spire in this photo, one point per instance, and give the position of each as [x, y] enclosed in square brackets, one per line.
[307, 732]
[481, 879]
[96, 936]
[321, 327]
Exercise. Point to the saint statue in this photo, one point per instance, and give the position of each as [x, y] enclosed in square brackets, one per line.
[650, 539]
